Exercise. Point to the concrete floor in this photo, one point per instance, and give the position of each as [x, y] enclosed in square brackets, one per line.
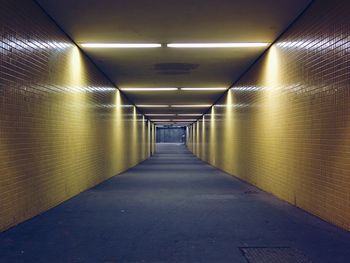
[171, 208]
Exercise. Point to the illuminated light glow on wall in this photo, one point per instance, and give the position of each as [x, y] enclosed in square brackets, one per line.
[75, 70]
[245, 89]
[326, 43]
[49, 45]
[228, 132]
[134, 139]
[143, 135]
[217, 45]
[121, 45]
[118, 127]
[202, 142]
[149, 89]
[118, 100]
[88, 89]
[212, 136]
[99, 89]
[271, 73]
[36, 45]
[197, 136]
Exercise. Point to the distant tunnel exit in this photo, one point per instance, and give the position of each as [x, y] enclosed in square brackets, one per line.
[170, 134]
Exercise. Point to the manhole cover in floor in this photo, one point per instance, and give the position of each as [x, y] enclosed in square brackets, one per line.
[273, 255]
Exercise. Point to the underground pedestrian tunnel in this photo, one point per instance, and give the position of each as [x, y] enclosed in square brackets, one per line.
[174, 131]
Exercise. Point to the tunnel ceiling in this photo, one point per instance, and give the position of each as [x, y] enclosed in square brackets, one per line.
[180, 21]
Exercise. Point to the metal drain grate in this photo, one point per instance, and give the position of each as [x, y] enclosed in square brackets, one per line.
[273, 255]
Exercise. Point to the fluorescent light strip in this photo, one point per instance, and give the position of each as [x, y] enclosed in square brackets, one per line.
[161, 114]
[216, 45]
[152, 106]
[191, 106]
[181, 123]
[201, 89]
[190, 114]
[148, 89]
[171, 88]
[173, 45]
[180, 120]
[121, 45]
[173, 120]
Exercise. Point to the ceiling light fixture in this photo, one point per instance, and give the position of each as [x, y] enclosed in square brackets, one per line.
[152, 106]
[160, 114]
[173, 120]
[216, 45]
[191, 106]
[190, 114]
[201, 89]
[121, 45]
[148, 89]
[180, 120]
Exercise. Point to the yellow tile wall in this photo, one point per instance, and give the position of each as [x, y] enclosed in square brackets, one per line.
[285, 125]
[153, 140]
[63, 126]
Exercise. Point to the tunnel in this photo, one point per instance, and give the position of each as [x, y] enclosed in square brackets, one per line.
[188, 131]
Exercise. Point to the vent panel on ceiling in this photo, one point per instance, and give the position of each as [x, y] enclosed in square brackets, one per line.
[175, 68]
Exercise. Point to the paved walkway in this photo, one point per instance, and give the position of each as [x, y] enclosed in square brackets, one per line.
[174, 208]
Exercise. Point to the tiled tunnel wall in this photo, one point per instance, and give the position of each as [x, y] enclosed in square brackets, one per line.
[63, 126]
[285, 125]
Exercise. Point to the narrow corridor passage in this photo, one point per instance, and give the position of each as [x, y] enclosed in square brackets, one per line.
[171, 208]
